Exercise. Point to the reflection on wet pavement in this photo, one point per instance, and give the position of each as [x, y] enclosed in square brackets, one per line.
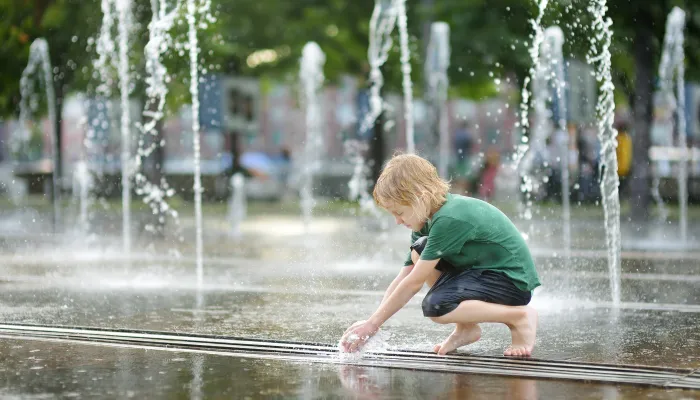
[568, 331]
[39, 369]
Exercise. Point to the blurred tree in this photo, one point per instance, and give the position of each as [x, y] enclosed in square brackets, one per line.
[25, 21]
[489, 40]
[639, 42]
[492, 36]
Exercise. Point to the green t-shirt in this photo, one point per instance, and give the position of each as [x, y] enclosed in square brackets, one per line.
[470, 233]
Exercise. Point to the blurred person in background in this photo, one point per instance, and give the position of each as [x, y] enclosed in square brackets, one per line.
[487, 176]
[624, 154]
[462, 170]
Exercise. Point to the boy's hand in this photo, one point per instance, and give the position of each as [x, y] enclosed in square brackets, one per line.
[358, 323]
[357, 335]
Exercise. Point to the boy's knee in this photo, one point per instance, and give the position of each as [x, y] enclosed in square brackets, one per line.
[434, 309]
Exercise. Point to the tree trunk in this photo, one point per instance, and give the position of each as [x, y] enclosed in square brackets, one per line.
[640, 179]
[235, 154]
[59, 132]
[376, 148]
[428, 7]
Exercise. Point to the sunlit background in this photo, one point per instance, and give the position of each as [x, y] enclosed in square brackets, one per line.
[206, 167]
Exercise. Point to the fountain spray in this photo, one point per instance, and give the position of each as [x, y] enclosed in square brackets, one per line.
[599, 56]
[39, 58]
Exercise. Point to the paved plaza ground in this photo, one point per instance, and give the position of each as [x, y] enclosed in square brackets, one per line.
[279, 282]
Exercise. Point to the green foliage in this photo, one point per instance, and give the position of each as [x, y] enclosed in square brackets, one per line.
[489, 39]
[65, 24]
[15, 36]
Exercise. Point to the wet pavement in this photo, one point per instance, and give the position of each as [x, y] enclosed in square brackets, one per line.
[284, 284]
[41, 369]
[310, 301]
[588, 332]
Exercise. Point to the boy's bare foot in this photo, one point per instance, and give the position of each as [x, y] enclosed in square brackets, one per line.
[523, 333]
[460, 337]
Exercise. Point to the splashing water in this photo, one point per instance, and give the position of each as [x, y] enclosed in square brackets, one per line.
[381, 25]
[82, 186]
[311, 75]
[237, 204]
[378, 342]
[39, 58]
[359, 184]
[599, 56]
[155, 194]
[105, 46]
[105, 65]
[192, 11]
[123, 8]
[436, 64]
[552, 52]
[385, 15]
[547, 71]
[400, 6]
[522, 159]
[656, 195]
[95, 143]
[672, 61]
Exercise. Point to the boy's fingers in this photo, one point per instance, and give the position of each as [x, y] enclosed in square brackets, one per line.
[355, 345]
[351, 347]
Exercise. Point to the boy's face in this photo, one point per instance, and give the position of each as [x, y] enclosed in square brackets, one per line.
[406, 216]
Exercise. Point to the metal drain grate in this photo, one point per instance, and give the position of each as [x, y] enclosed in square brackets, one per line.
[315, 352]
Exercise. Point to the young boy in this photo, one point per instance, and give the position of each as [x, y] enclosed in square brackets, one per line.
[472, 257]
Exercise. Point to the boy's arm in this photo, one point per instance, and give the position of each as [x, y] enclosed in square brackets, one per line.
[392, 286]
[402, 274]
[411, 261]
[404, 291]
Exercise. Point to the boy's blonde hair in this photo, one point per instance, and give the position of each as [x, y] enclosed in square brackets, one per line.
[410, 180]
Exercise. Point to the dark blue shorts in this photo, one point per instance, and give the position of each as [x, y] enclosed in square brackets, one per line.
[456, 285]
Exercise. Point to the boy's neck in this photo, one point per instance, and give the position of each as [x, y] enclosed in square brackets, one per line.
[432, 212]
